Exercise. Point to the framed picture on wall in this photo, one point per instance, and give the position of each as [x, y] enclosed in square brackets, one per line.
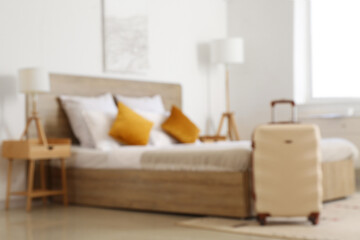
[125, 36]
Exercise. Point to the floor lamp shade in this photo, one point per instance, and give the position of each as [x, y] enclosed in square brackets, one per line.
[227, 51]
[34, 80]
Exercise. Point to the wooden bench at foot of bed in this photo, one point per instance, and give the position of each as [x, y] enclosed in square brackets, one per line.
[200, 193]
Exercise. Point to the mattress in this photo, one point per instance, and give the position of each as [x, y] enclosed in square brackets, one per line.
[130, 157]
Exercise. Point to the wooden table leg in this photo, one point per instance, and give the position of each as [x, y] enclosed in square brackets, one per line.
[64, 182]
[9, 179]
[43, 179]
[30, 184]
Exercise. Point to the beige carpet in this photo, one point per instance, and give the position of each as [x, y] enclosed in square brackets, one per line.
[340, 220]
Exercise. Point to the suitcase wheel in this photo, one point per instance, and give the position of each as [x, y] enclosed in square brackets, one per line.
[314, 218]
[261, 218]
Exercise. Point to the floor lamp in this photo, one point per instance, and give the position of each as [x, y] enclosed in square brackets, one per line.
[228, 51]
[34, 81]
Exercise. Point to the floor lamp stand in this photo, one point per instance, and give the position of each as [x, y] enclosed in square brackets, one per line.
[232, 131]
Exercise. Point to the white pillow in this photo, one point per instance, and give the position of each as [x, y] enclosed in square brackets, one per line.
[99, 124]
[75, 105]
[157, 136]
[161, 138]
[150, 104]
[156, 118]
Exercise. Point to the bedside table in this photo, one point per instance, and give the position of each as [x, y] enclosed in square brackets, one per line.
[208, 139]
[33, 151]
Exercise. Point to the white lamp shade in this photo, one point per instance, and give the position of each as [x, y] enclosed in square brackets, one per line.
[227, 51]
[34, 80]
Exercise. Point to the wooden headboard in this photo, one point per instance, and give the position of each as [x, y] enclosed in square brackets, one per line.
[53, 117]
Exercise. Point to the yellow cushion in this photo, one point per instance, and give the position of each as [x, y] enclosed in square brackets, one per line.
[180, 127]
[130, 128]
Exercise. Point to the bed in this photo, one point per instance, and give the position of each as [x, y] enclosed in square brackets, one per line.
[191, 191]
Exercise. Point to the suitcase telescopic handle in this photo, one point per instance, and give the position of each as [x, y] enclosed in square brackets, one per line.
[283, 101]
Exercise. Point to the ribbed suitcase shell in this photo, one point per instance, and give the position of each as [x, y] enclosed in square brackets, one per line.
[287, 170]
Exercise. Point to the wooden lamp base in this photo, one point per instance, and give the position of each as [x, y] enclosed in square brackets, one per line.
[35, 117]
[39, 127]
[233, 132]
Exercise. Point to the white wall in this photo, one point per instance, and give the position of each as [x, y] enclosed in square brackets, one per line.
[65, 36]
[276, 68]
[267, 28]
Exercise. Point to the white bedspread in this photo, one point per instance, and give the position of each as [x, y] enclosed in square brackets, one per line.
[129, 157]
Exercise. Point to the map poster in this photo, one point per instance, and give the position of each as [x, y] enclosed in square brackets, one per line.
[126, 48]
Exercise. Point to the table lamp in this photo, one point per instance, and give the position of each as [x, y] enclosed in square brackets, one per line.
[32, 82]
[228, 51]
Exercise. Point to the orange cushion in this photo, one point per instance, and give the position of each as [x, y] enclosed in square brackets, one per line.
[130, 128]
[180, 127]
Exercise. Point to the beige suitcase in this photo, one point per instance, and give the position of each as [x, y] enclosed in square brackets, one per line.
[287, 169]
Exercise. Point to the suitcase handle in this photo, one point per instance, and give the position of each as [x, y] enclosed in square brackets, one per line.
[283, 101]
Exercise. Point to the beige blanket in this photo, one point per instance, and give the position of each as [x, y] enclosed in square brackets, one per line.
[234, 159]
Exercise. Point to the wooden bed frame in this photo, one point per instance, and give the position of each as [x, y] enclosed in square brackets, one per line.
[201, 193]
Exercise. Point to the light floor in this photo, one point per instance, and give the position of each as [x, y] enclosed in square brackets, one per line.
[55, 222]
